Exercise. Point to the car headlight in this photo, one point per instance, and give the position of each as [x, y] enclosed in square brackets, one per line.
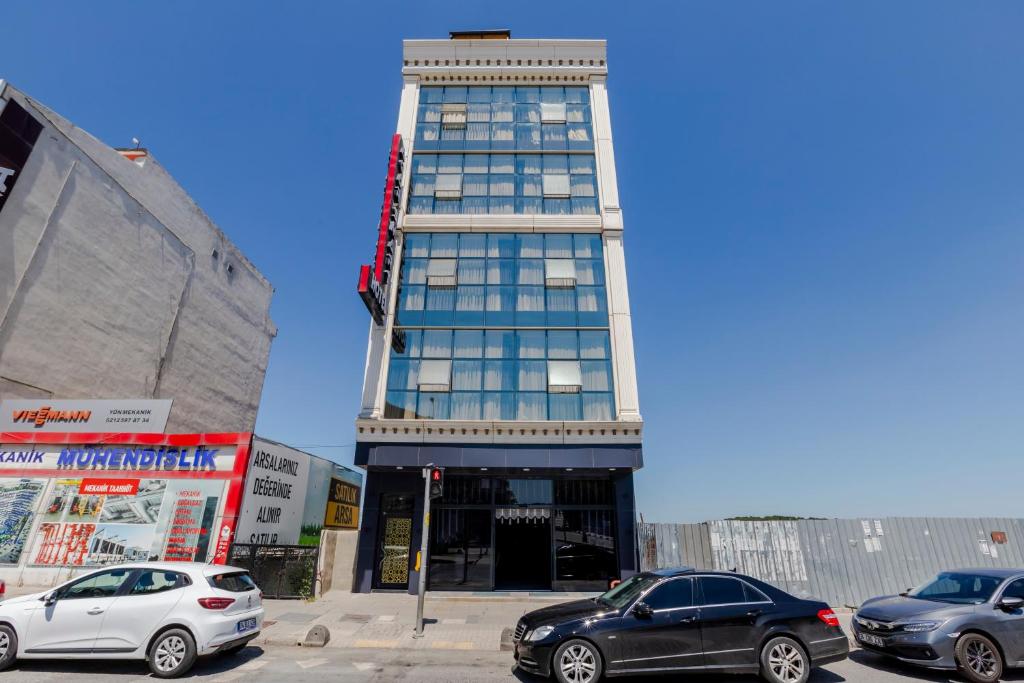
[540, 633]
[919, 626]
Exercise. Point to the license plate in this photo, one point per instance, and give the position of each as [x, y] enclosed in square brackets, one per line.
[246, 625]
[869, 639]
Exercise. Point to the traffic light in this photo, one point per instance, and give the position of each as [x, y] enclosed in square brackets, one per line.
[436, 482]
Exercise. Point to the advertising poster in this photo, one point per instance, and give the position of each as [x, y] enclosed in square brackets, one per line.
[326, 482]
[145, 415]
[320, 472]
[187, 519]
[62, 544]
[342, 505]
[122, 497]
[275, 494]
[18, 499]
[287, 493]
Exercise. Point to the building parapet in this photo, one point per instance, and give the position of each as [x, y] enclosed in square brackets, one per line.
[505, 60]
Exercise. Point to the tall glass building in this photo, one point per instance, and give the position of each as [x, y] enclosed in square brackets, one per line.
[502, 344]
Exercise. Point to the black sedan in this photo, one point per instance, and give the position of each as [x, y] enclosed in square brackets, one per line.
[677, 621]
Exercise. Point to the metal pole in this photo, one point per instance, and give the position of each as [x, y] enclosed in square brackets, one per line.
[422, 590]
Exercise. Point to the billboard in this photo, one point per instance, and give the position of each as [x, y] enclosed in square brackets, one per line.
[287, 492]
[275, 494]
[131, 497]
[342, 505]
[87, 416]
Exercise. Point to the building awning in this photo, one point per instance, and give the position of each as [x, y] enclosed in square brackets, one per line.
[517, 515]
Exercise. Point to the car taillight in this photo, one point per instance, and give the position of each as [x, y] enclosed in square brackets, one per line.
[829, 617]
[215, 603]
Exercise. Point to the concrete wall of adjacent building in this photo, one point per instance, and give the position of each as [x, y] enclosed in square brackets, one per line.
[337, 559]
[841, 561]
[115, 284]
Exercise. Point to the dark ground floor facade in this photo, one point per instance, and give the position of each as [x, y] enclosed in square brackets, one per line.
[531, 527]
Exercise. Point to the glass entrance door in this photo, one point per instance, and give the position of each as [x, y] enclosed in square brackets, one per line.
[394, 540]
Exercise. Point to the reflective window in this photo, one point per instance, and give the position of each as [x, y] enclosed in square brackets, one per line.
[155, 581]
[671, 595]
[1015, 589]
[538, 123]
[503, 183]
[500, 118]
[101, 585]
[720, 590]
[460, 548]
[585, 547]
[501, 374]
[524, 492]
[469, 291]
[524, 280]
[584, 492]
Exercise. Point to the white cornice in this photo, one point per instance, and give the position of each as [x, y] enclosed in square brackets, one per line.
[498, 432]
[505, 60]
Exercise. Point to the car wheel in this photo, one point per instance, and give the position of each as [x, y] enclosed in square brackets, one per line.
[172, 653]
[577, 661]
[783, 660]
[8, 646]
[978, 659]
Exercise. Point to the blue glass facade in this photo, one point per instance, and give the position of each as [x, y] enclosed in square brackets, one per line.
[507, 328]
[502, 339]
[455, 169]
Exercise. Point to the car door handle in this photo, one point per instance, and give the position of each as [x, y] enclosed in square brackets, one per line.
[95, 610]
[687, 620]
[755, 613]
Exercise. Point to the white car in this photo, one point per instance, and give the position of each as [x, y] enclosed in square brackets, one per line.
[168, 613]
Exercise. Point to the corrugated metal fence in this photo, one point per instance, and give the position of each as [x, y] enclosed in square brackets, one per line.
[841, 561]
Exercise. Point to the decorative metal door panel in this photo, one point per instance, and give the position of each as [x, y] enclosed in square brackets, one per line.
[394, 551]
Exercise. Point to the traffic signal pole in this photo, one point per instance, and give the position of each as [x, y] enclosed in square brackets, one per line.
[424, 547]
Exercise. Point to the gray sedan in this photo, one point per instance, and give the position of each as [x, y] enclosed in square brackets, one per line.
[971, 620]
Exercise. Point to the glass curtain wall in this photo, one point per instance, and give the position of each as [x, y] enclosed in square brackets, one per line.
[583, 538]
[455, 169]
[502, 327]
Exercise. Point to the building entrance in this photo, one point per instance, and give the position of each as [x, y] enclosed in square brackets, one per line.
[522, 542]
[498, 533]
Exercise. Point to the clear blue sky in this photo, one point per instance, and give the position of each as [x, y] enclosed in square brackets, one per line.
[824, 210]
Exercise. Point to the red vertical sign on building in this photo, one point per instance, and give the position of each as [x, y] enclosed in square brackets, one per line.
[374, 279]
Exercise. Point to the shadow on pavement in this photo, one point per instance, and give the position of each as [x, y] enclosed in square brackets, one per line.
[882, 663]
[817, 676]
[205, 666]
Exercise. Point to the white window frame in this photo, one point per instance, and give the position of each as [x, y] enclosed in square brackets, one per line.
[564, 377]
[435, 375]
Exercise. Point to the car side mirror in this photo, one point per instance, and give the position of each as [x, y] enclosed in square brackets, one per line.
[642, 610]
[50, 598]
[1011, 604]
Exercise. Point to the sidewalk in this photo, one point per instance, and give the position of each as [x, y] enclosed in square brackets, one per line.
[453, 621]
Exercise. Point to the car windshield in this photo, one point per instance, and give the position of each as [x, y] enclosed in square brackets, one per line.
[958, 588]
[627, 591]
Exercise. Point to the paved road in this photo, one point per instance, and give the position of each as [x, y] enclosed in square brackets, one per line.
[297, 665]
